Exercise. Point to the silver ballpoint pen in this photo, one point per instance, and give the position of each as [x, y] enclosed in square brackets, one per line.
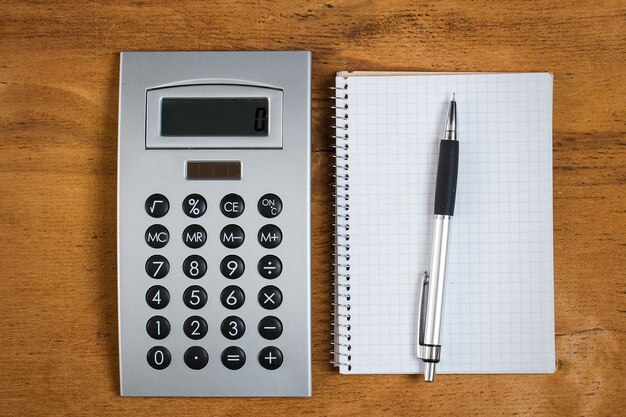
[431, 290]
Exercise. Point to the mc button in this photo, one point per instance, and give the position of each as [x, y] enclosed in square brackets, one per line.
[157, 236]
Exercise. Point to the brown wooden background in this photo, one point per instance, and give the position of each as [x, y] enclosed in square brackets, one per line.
[58, 126]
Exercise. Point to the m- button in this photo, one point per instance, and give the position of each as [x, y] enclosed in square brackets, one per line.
[232, 236]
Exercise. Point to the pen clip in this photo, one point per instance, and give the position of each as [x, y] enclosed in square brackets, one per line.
[421, 313]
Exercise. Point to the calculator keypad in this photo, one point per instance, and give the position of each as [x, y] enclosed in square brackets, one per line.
[231, 297]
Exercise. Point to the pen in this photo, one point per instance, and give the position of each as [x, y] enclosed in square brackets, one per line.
[430, 307]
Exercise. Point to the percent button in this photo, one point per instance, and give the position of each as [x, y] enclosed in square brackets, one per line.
[194, 205]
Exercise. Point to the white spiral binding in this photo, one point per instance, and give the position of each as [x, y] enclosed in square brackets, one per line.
[341, 336]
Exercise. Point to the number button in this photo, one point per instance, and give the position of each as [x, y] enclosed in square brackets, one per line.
[270, 327]
[157, 297]
[232, 297]
[270, 236]
[232, 205]
[271, 358]
[159, 357]
[196, 357]
[232, 266]
[194, 266]
[157, 205]
[158, 327]
[233, 327]
[195, 327]
[157, 236]
[232, 236]
[270, 206]
[194, 236]
[195, 297]
[157, 266]
[270, 297]
[270, 267]
[233, 357]
[194, 205]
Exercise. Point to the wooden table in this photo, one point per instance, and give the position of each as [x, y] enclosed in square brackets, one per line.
[59, 66]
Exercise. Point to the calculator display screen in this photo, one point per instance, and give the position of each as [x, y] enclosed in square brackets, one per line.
[214, 116]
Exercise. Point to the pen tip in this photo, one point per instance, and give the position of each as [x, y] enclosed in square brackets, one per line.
[453, 94]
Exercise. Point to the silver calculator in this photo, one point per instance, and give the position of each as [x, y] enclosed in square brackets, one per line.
[214, 254]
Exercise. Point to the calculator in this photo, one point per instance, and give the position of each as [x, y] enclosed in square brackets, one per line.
[214, 214]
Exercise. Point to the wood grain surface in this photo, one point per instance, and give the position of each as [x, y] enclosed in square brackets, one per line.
[59, 64]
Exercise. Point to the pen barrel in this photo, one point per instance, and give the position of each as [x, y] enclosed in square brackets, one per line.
[447, 171]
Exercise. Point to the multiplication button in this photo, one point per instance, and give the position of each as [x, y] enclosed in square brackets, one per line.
[157, 205]
[233, 357]
[270, 297]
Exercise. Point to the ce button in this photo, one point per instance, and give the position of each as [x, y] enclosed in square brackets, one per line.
[232, 205]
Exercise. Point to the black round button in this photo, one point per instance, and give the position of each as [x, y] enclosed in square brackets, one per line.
[194, 236]
[194, 205]
[157, 266]
[270, 297]
[232, 205]
[270, 205]
[194, 266]
[232, 236]
[233, 327]
[157, 205]
[157, 297]
[232, 297]
[232, 266]
[159, 357]
[158, 327]
[270, 267]
[196, 357]
[270, 357]
[233, 357]
[195, 327]
[157, 236]
[270, 327]
[270, 236]
[195, 297]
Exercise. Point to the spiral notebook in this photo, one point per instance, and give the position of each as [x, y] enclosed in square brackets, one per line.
[499, 304]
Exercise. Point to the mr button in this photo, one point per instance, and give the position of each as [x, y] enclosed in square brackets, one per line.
[194, 236]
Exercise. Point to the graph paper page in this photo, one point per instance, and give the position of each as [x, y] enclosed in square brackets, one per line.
[499, 304]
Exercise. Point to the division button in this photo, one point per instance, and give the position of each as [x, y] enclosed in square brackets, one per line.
[271, 358]
[232, 205]
[194, 236]
[157, 297]
[157, 205]
[195, 327]
[157, 266]
[270, 206]
[158, 327]
[270, 327]
[159, 357]
[270, 236]
[232, 236]
[196, 357]
[233, 357]
[233, 327]
[232, 297]
[232, 266]
[194, 205]
[195, 297]
[157, 236]
[194, 266]
[270, 267]
[270, 297]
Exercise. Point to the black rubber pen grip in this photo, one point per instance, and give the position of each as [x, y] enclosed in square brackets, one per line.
[447, 170]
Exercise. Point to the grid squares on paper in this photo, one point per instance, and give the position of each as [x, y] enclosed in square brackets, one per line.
[499, 311]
